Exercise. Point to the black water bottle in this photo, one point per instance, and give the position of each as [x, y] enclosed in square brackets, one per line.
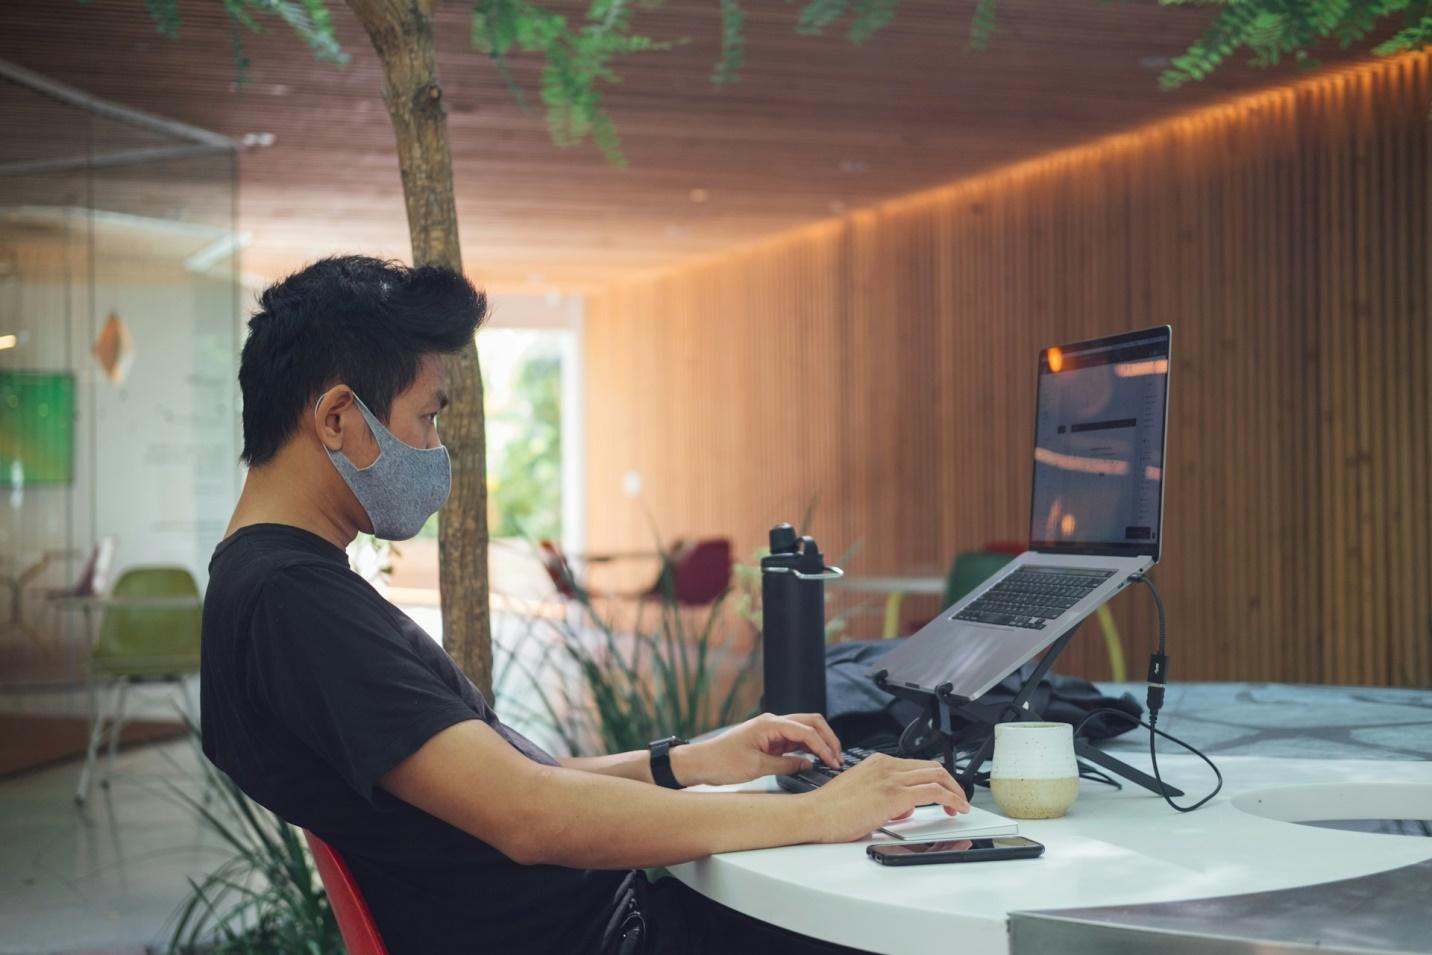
[793, 623]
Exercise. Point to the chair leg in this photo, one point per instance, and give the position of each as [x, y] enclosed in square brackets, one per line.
[97, 721]
[116, 726]
[191, 711]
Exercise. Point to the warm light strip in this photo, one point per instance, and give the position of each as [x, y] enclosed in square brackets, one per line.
[7, 341]
[1336, 80]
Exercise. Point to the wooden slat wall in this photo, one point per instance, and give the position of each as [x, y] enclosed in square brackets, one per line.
[883, 366]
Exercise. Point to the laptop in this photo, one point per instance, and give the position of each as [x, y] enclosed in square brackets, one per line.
[1096, 515]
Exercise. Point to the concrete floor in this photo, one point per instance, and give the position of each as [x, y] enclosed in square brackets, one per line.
[107, 877]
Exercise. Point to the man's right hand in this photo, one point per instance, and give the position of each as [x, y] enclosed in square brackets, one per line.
[878, 789]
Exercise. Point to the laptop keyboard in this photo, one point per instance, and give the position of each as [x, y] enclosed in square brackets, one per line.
[1033, 595]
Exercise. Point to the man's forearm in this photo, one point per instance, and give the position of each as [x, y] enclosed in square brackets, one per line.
[636, 765]
[473, 779]
[595, 821]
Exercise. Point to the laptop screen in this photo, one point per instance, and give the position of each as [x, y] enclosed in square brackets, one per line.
[1099, 446]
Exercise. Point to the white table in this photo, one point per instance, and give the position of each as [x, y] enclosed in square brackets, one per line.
[1112, 848]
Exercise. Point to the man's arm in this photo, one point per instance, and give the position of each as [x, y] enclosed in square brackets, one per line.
[687, 765]
[470, 777]
[634, 765]
[757, 747]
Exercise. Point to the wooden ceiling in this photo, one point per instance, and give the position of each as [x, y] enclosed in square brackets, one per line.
[815, 128]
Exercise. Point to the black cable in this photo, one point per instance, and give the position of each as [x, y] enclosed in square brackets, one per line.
[1153, 755]
[1158, 682]
[1098, 776]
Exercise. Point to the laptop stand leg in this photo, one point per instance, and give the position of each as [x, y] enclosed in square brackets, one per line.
[970, 775]
[1118, 767]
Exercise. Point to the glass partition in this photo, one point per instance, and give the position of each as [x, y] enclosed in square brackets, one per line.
[119, 336]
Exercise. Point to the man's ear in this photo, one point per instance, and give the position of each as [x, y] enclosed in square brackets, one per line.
[328, 416]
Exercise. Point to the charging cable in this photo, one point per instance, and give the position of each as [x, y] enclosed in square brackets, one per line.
[1158, 683]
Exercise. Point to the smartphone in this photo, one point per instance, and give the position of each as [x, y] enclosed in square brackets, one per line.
[954, 850]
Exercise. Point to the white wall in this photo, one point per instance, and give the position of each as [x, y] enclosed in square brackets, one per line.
[155, 458]
[166, 442]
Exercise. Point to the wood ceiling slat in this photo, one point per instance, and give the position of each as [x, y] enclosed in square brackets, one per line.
[915, 105]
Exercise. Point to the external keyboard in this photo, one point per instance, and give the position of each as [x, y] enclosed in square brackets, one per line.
[820, 774]
[1033, 595]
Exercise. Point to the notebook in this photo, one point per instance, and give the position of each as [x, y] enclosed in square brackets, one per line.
[929, 823]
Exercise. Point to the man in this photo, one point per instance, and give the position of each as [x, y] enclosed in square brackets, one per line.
[329, 706]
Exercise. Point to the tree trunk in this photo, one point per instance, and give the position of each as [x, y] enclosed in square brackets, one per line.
[401, 31]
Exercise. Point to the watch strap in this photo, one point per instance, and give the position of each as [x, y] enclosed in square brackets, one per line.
[661, 772]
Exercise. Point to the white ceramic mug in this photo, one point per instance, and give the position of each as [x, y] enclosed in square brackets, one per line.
[1035, 775]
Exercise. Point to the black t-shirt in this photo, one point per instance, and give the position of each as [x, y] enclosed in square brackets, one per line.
[313, 688]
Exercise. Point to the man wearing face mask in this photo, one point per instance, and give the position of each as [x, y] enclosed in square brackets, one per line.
[329, 706]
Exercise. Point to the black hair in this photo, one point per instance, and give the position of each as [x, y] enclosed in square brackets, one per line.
[362, 321]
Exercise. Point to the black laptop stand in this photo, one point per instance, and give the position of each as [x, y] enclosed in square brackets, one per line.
[942, 705]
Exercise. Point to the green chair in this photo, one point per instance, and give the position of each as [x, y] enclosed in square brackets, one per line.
[973, 568]
[969, 570]
[149, 634]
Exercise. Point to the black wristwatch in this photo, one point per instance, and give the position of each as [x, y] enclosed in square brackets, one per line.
[661, 772]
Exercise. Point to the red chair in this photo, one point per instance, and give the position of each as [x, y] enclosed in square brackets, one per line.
[355, 922]
[554, 562]
[696, 573]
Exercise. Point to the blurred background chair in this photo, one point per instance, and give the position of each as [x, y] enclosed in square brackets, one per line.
[692, 574]
[91, 582]
[554, 562]
[149, 634]
[695, 573]
[93, 577]
[16, 583]
[969, 570]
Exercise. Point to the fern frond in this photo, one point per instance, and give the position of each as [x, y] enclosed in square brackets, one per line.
[165, 14]
[816, 15]
[982, 25]
[870, 17]
[733, 44]
[1273, 29]
[578, 59]
[1415, 34]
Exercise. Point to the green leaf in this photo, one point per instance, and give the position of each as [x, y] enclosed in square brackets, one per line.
[165, 14]
[982, 25]
[870, 17]
[733, 44]
[816, 15]
[1274, 29]
[1416, 34]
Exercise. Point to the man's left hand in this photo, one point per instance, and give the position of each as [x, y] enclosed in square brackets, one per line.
[761, 746]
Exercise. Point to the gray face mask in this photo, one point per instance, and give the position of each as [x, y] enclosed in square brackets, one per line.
[402, 488]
